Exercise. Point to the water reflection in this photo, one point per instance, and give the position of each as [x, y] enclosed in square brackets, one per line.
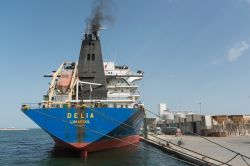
[131, 155]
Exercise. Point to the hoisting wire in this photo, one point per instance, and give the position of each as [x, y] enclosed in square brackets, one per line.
[100, 133]
[210, 140]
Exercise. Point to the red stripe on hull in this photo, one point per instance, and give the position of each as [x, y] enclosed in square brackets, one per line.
[100, 145]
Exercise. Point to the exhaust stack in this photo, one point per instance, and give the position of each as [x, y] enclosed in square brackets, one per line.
[90, 67]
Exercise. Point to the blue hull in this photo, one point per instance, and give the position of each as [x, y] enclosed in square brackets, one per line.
[89, 129]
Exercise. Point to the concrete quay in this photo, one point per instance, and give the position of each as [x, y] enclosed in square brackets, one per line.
[206, 149]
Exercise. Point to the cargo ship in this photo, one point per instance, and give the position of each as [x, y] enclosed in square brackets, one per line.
[90, 105]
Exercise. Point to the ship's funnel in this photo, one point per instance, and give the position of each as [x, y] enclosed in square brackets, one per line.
[90, 64]
[90, 68]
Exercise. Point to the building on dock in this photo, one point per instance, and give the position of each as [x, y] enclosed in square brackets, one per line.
[206, 125]
[187, 121]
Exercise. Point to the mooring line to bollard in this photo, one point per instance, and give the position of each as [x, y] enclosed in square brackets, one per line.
[100, 133]
[230, 159]
[164, 154]
[208, 139]
[245, 160]
[92, 109]
[154, 136]
[225, 163]
[190, 150]
[181, 152]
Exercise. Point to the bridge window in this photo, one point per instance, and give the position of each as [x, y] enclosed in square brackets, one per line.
[88, 57]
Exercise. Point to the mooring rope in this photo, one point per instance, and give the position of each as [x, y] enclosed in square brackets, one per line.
[222, 163]
[207, 163]
[95, 131]
[230, 159]
[244, 160]
[164, 154]
[104, 115]
[119, 122]
[233, 151]
[168, 142]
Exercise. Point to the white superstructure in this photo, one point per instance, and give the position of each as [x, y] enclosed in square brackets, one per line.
[122, 84]
[122, 88]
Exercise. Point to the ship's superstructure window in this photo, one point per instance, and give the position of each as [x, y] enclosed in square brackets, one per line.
[93, 57]
[88, 57]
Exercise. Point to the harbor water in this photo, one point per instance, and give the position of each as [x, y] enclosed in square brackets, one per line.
[35, 147]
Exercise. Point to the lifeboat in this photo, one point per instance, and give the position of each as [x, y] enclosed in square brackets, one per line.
[64, 81]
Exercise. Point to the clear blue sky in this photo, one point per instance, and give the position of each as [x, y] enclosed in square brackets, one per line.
[190, 50]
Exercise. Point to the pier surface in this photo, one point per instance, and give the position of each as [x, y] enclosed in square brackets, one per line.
[240, 144]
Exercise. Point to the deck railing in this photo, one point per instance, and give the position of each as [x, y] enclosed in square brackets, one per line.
[31, 106]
